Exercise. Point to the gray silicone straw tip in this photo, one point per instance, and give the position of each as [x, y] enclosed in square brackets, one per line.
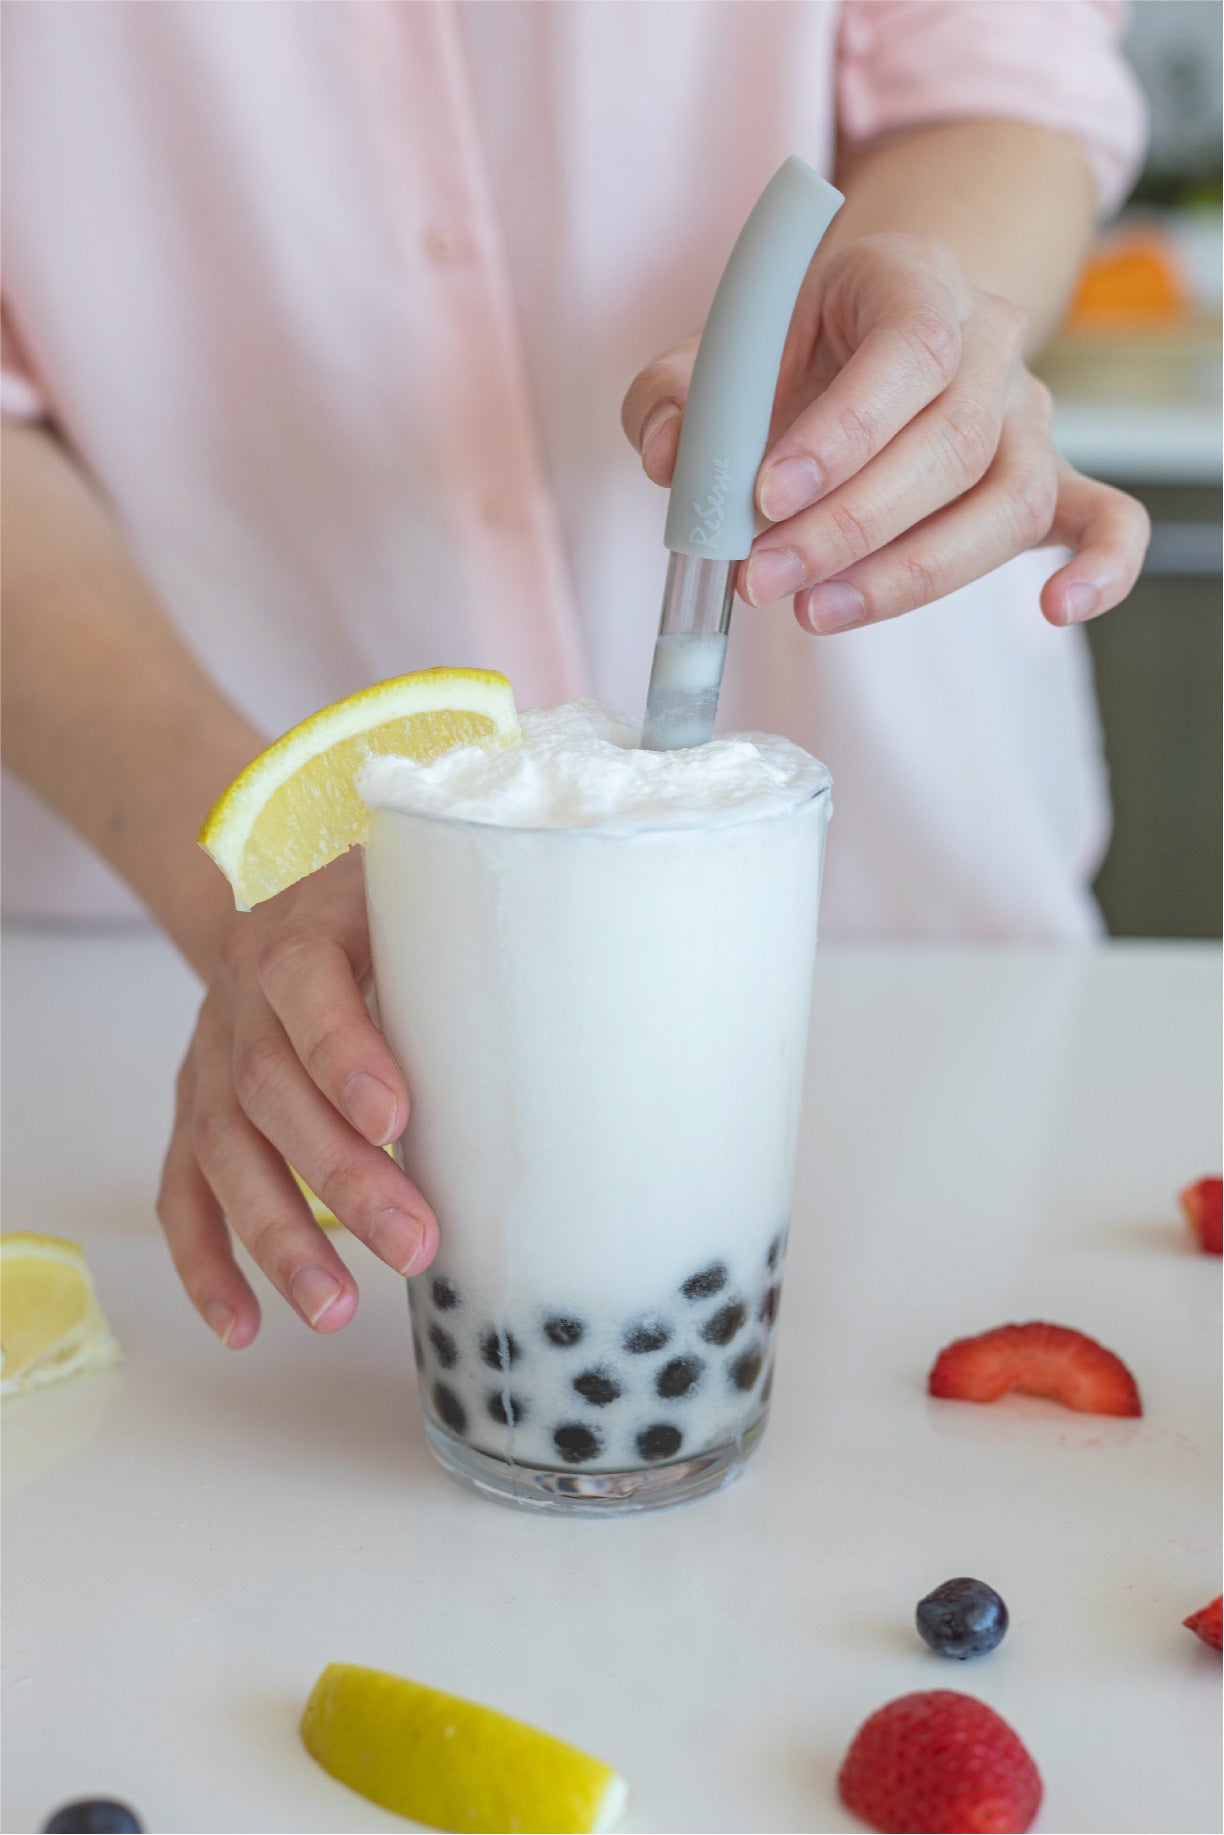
[711, 510]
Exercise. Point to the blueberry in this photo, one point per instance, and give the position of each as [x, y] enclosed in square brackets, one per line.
[498, 1349]
[445, 1349]
[650, 1335]
[705, 1282]
[598, 1386]
[577, 1444]
[444, 1293]
[746, 1368]
[769, 1307]
[659, 1442]
[962, 1618]
[506, 1410]
[678, 1377]
[775, 1250]
[722, 1326]
[563, 1332]
[93, 1816]
[450, 1408]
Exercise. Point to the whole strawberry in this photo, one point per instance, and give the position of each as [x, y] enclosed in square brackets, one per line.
[1203, 1204]
[1207, 1624]
[940, 1761]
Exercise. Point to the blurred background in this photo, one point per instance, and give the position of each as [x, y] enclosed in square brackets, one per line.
[1136, 377]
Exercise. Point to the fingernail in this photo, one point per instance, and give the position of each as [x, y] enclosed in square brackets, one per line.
[832, 607]
[314, 1290]
[398, 1240]
[371, 1107]
[1079, 601]
[788, 486]
[772, 574]
[221, 1318]
[656, 420]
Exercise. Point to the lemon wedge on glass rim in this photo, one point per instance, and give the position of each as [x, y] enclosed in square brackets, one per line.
[51, 1325]
[451, 1763]
[296, 807]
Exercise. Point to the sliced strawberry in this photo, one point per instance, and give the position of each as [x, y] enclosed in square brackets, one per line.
[939, 1760]
[1036, 1359]
[1206, 1624]
[1202, 1204]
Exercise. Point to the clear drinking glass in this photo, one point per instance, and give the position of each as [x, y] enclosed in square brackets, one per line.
[603, 1032]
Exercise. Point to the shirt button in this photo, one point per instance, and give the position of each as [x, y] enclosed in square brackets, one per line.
[442, 245]
[496, 514]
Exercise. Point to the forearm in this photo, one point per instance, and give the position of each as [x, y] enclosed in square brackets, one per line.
[106, 714]
[1014, 202]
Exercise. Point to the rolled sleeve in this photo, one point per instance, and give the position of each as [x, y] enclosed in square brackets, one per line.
[1055, 63]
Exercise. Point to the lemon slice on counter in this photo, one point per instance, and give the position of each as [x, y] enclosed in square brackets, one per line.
[296, 806]
[318, 1210]
[51, 1325]
[450, 1763]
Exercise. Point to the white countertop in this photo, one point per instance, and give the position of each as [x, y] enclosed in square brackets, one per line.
[1142, 406]
[1141, 442]
[991, 1135]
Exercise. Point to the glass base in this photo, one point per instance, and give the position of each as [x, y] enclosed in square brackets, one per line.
[656, 1487]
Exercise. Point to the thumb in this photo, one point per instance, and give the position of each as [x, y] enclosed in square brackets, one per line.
[651, 411]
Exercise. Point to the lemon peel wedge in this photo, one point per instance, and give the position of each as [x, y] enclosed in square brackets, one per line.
[451, 1763]
[51, 1325]
[296, 807]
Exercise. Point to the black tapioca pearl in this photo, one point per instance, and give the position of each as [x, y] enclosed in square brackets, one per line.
[598, 1386]
[769, 1307]
[506, 1410]
[679, 1377]
[418, 1351]
[746, 1368]
[450, 1408]
[445, 1349]
[577, 1444]
[650, 1335]
[767, 1385]
[659, 1442]
[706, 1282]
[721, 1327]
[443, 1293]
[563, 1331]
[499, 1349]
[775, 1250]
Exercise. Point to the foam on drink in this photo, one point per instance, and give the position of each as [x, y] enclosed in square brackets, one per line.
[580, 766]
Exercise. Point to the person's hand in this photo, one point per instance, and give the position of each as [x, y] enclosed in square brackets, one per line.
[910, 450]
[286, 1065]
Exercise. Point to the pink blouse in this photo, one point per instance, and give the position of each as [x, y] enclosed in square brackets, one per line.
[337, 302]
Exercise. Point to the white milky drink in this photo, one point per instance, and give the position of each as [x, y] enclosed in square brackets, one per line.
[594, 966]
